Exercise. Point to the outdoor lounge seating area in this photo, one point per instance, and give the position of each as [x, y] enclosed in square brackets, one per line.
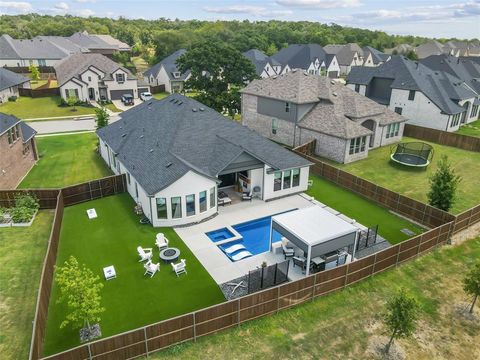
[141, 293]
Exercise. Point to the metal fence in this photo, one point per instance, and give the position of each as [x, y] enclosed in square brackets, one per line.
[268, 276]
[460, 141]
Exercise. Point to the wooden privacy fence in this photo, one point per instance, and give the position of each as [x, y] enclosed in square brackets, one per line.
[74, 194]
[460, 141]
[36, 93]
[151, 338]
[413, 209]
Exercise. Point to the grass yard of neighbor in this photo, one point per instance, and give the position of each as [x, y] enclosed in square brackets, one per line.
[365, 212]
[112, 107]
[65, 160]
[471, 129]
[131, 300]
[44, 107]
[414, 183]
[340, 325]
[22, 250]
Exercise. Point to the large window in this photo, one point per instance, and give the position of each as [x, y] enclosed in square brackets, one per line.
[190, 204]
[13, 134]
[287, 107]
[120, 77]
[474, 111]
[287, 176]
[357, 88]
[213, 195]
[357, 145]
[398, 110]
[128, 178]
[295, 177]
[392, 130]
[277, 181]
[176, 207]
[455, 120]
[161, 208]
[411, 95]
[71, 93]
[136, 190]
[202, 198]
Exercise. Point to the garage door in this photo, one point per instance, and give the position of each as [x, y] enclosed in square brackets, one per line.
[142, 90]
[333, 74]
[117, 94]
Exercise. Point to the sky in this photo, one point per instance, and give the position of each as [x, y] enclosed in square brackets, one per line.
[429, 18]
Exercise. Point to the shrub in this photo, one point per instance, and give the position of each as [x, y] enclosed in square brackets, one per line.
[12, 98]
[26, 205]
[29, 201]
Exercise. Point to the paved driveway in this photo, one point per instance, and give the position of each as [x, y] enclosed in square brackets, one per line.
[119, 104]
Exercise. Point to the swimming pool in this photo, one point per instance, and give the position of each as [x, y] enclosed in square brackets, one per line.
[255, 235]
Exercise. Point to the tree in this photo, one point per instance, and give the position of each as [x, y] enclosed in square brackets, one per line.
[217, 71]
[400, 316]
[272, 49]
[33, 69]
[72, 101]
[102, 117]
[443, 185]
[471, 284]
[80, 290]
[412, 55]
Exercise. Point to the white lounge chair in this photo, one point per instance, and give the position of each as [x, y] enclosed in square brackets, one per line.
[161, 241]
[180, 268]
[151, 268]
[241, 255]
[144, 253]
[247, 196]
[234, 248]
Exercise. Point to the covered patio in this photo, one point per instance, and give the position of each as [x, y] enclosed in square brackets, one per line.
[318, 236]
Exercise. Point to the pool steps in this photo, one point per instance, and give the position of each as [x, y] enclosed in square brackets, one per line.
[236, 236]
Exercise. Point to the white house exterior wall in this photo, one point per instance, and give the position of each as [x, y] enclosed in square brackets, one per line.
[269, 193]
[92, 83]
[163, 79]
[362, 90]
[82, 90]
[6, 93]
[26, 62]
[420, 111]
[334, 67]
[113, 85]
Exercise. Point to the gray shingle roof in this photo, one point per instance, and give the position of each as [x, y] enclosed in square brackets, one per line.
[337, 110]
[300, 55]
[84, 39]
[440, 87]
[76, 64]
[462, 68]
[7, 121]
[432, 47]
[344, 53]
[36, 48]
[161, 140]
[27, 132]
[170, 66]
[9, 78]
[377, 56]
[259, 59]
[7, 50]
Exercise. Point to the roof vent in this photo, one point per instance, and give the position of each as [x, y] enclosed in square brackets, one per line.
[123, 135]
[274, 76]
[194, 110]
[334, 93]
[142, 136]
[202, 109]
[332, 82]
[294, 70]
[180, 102]
[151, 150]
[168, 164]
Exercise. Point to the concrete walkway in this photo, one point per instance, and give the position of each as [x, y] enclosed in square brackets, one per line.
[62, 126]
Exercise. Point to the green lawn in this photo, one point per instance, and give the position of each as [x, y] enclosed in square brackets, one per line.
[365, 212]
[340, 325]
[472, 129]
[414, 183]
[65, 160]
[112, 107]
[21, 256]
[30, 108]
[132, 299]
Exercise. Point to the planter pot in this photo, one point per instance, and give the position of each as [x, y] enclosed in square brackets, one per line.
[26, 224]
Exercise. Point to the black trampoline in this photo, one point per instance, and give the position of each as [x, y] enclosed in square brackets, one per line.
[415, 154]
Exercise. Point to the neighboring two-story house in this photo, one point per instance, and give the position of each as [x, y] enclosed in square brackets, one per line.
[309, 57]
[429, 98]
[265, 66]
[166, 74]
[298, 107]
[10, 83]
[95, 77]
[347, 55]
[18, 151]
[374, 57]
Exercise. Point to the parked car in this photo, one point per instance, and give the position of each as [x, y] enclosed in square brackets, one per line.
[145, 96]
[127, 99]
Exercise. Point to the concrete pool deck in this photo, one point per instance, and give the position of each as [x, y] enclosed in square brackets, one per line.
[213, 259]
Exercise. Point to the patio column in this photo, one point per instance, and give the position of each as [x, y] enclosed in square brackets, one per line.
[309, 258]
[355, 245]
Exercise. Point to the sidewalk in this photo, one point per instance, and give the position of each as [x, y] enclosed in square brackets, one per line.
[54, 118]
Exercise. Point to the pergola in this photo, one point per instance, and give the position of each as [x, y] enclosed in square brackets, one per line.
[314, 230]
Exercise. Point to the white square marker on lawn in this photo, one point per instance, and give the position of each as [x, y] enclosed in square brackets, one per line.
[92, 214]
[109, 272]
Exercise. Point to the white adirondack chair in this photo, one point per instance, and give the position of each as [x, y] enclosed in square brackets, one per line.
[144, 253]
[180, 268]
[151, 268]
[161, 241]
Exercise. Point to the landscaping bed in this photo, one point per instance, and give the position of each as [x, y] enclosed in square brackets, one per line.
[131, 299]
[414, 183]
[22, 213]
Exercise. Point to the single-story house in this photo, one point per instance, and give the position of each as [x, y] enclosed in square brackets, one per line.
[178, 155]
[95, 77]
[298, 107]
[18, 151]
[166, 74]
[10, 82]
[426, 97]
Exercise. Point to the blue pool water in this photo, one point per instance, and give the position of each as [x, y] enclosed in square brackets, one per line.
[255, 233]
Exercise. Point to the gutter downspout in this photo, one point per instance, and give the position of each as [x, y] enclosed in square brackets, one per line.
[151, 212]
